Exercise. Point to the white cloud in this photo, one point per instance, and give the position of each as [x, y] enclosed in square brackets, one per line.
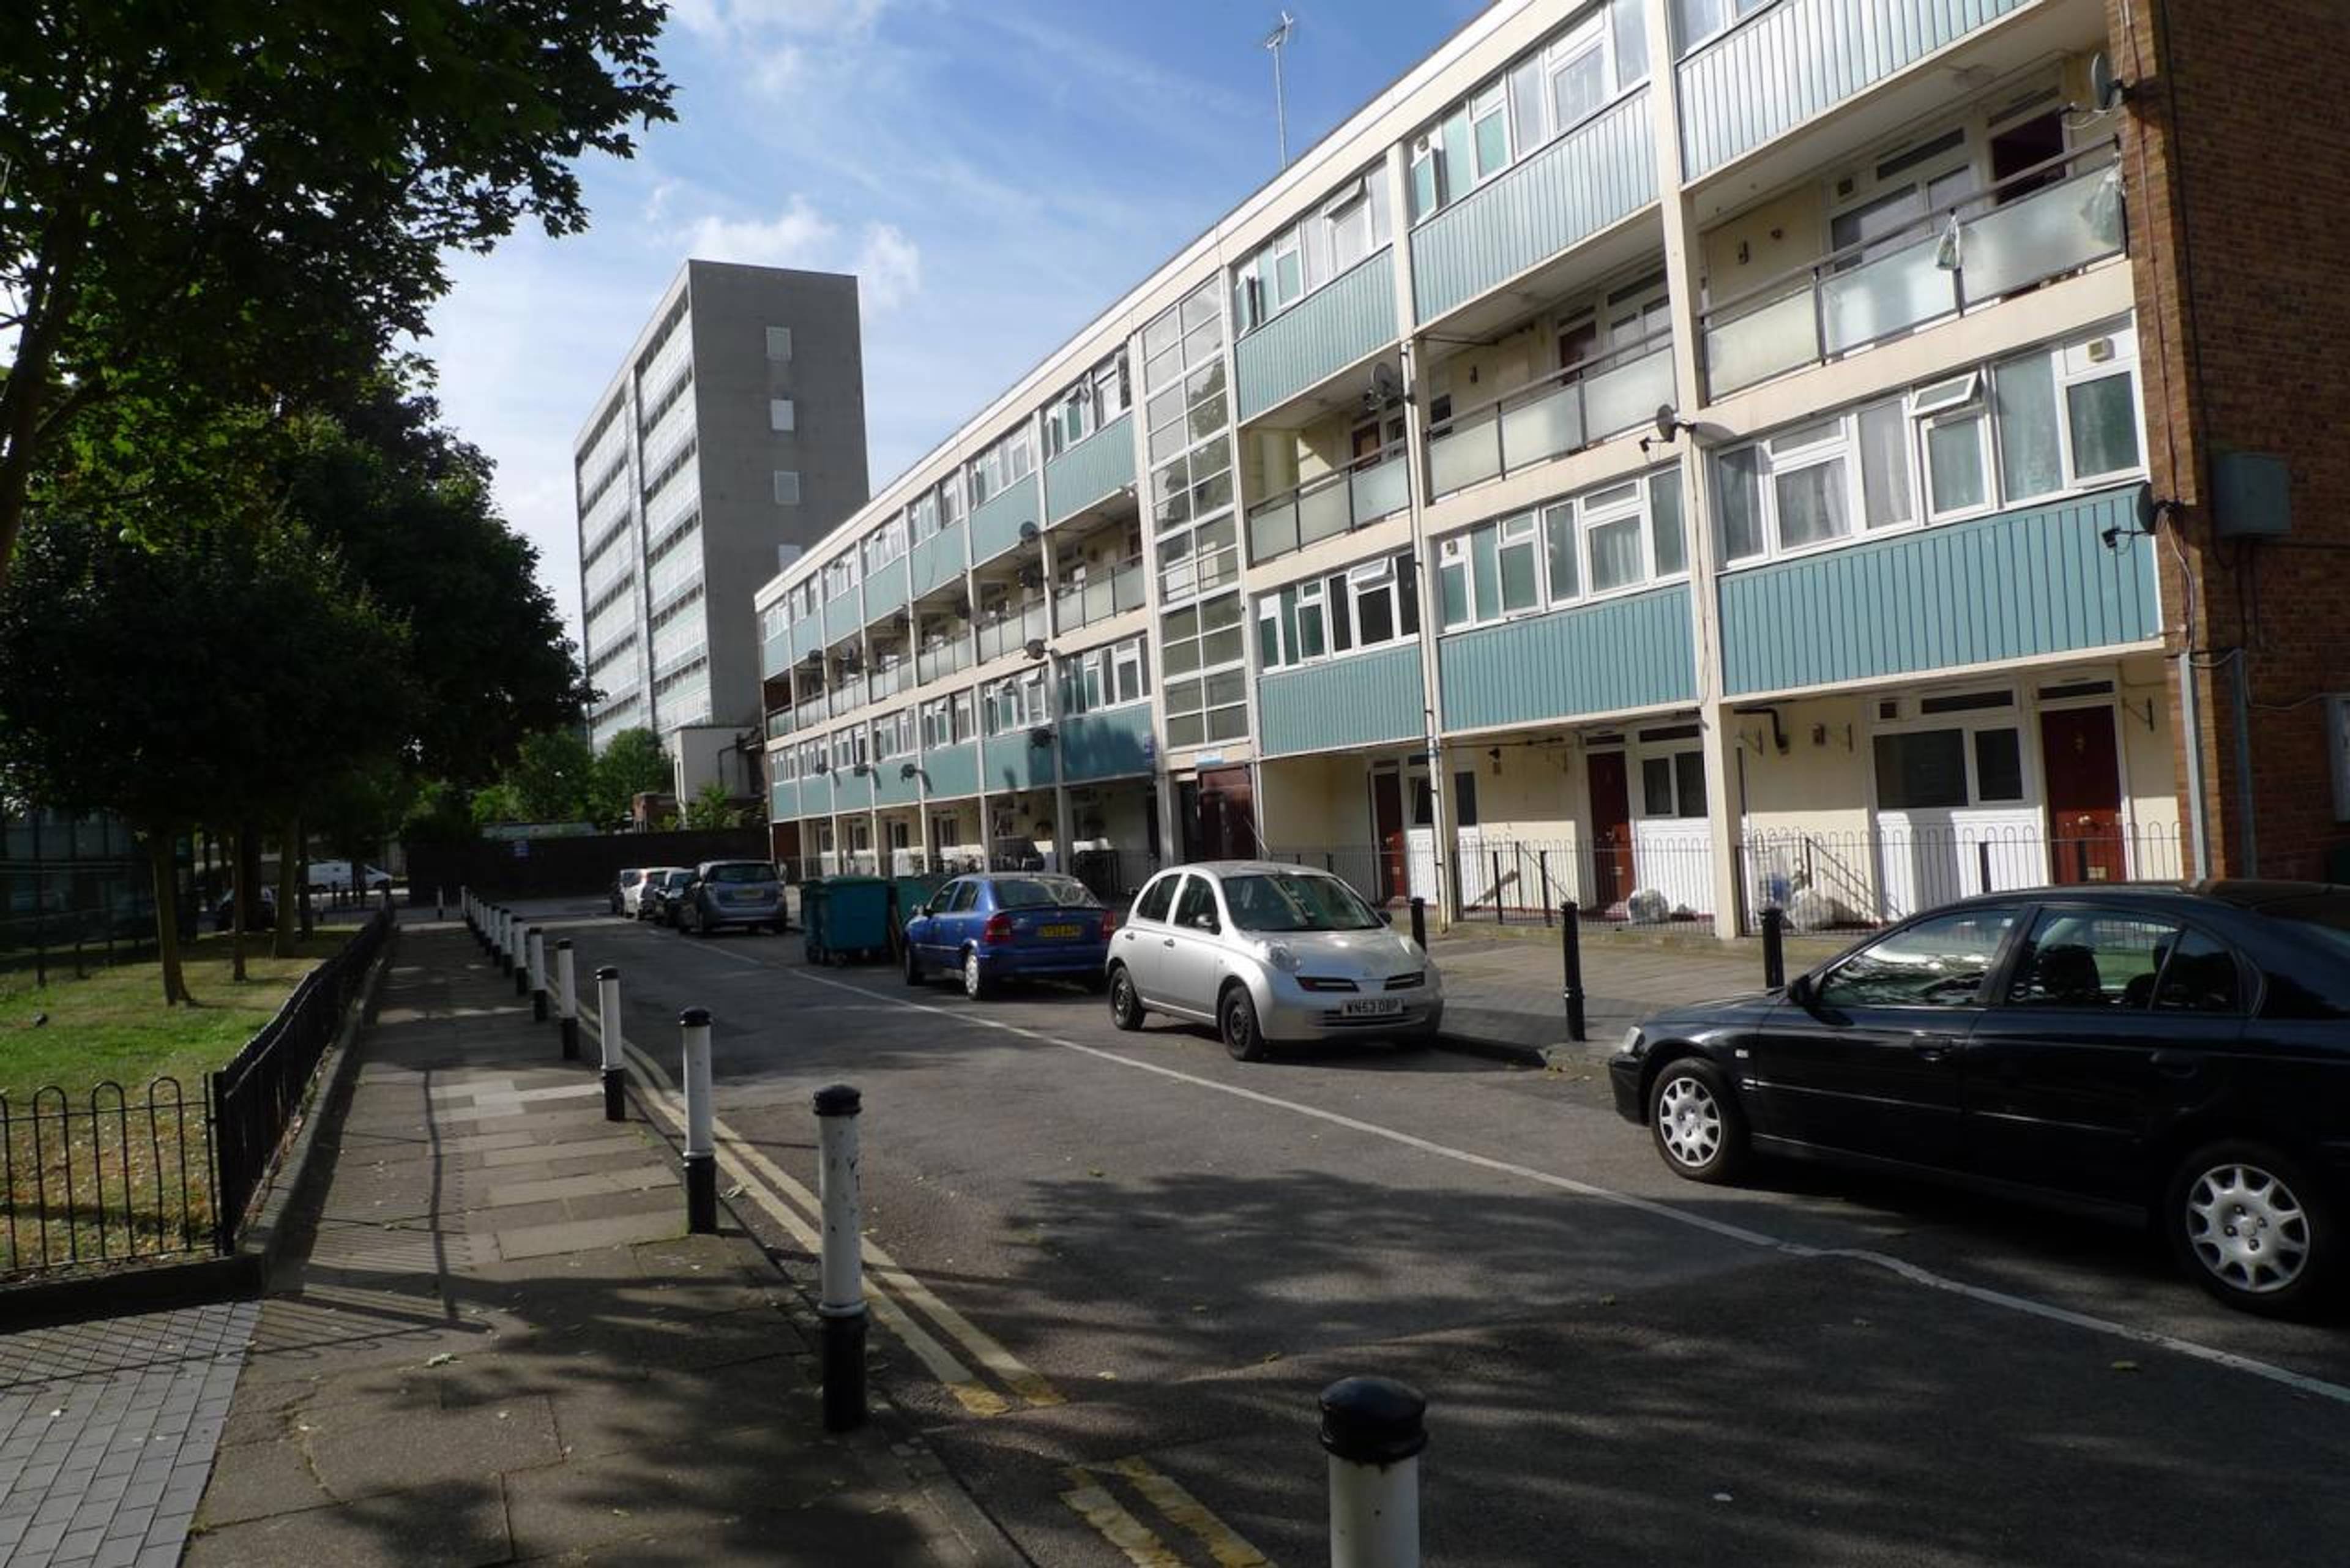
[888, 267]
[774, 39]
[798, 236]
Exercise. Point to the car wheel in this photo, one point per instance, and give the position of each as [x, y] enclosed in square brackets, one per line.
[975, 983]
[913, 965]
[1236, 1020]
[2252, 1227]
[1125, 1006]
[701, 927]
[1696, 1121]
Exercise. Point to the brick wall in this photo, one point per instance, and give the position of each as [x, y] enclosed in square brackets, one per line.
[2239, 215]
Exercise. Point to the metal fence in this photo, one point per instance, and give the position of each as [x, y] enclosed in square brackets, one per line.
[165, 1171]
[1660, 878]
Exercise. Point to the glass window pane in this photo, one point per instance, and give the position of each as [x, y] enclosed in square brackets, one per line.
[1954, 463]
[2023, 391]
[1740, 475]
[1812, 503]
[1615, 554]
[1485, 574]
[1884, 464]
[1667, 541]
[1999, 765]
[1288, 278]
[1309, 630]
[1921, 769]
[1558, 531]
[2199, 976]
[1657, 787]
[1688, 774]
[1938, 962]
[1453, 587]
[1577, 86]
[1493, 141]
[1423, 186]
[1526, 103]
[2096, 960]
[2105, 425]
[1375, 615]
[1630, 20]
[1268, 638]
[1518, 586]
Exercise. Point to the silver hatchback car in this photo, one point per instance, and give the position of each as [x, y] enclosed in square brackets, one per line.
[1266, 953]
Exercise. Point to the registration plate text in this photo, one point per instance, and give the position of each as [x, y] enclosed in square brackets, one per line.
[1060, 933]
[1372, 1007]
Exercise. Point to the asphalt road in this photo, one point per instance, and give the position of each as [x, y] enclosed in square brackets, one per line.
[1125, 1265]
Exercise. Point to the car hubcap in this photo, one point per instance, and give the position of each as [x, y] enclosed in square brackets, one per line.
[2247, 1228]
[1122, 997]
[1236, 1024]
[1689, 1122]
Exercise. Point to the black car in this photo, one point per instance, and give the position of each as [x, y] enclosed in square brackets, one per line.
[658, 901]
[2177, 1053]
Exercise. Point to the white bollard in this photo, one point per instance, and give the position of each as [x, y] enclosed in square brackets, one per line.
[566, 1000]
[518, 951]
[607, 1040]
[534, 958]
[841, 1299]
[701, 1144]
[1373, 1430]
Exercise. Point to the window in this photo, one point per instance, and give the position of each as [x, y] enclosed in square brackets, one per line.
[1941, 961]
[1927, 770]
[1207, 706]
[1529, 559]
[2199, 976]
[779, 342]
[1352, 237]
[1563, 548]
[1427, 189]
[922, 517]
[1612, 524]
[781, 417]
[1883, 437]
[1464, 799]
[787, 487]
[937, 726]
[1673, 786]
[1489, 133]
[1363, 606]
[1668, 548]
[1574, 73]
[1197, 907]
[1348, 225]
[2074, 959]
[1105, 678]
[1156, 899]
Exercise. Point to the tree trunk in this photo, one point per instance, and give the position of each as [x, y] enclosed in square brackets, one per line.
[291, 875]
[167, 917]
[240, 892]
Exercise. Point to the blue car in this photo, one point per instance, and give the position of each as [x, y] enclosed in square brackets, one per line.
[1012, 924]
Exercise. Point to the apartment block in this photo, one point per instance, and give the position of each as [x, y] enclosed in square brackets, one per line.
[1676, 457]
[731, 440]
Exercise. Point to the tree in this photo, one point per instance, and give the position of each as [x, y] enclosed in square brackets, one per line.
[554, 775]
[712, 807]
[632, 763]
[212, 194]
[497, 803]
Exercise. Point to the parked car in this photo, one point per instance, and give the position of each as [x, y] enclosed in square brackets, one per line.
[334, 876]
[1029, 925]
[265, 916]
[660, 883]
[625, 887]
[724, 893]
[2174, 1054]
[1270, 953]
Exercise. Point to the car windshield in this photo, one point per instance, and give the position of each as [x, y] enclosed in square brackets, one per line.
[741, 871]
[677, 878]
[1290, 901]
[1042, 893]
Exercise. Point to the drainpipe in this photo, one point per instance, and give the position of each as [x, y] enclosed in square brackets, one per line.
[2191, 722]
[2249, 849]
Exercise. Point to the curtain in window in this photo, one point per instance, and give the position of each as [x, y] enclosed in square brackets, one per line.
[2025, 397]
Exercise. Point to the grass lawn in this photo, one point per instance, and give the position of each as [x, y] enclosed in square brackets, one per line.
[114, 1025]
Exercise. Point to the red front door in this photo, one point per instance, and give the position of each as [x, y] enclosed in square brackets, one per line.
[2084, 796]
[1387, 826]
[1611, 830]
[1227, 814]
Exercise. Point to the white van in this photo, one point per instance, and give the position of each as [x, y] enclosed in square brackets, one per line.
[334, 876]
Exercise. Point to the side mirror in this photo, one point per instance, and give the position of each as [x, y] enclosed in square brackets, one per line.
[1205, 923]
[1802, 992]
[1387, 917]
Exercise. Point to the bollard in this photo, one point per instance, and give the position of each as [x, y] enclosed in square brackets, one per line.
[1373, 1428]
[1501, 916]
[1419, 923]
[535, 956]
[439, 902]
[607, 1040]
[505, 942]
[518, 940]
[1571, 937]
[841, 1302]
[700, 1147]
[566, 1000]
[1775, 949]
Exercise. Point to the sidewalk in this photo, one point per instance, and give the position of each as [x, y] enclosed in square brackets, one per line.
[499, 1346]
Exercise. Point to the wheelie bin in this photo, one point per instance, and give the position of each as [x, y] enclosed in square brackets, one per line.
[847, 920]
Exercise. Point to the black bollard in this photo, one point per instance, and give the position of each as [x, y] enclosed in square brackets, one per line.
[1775, 949]
[1571, 939]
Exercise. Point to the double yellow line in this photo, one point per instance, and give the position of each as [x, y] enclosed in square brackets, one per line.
[1091, 1499]
[902, 1303]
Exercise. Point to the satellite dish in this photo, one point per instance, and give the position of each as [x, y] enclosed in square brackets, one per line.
[1042, 735]
[1668, 423]
[1387, 383]
[1028, 533]
[1033, 648]
[2107, 91]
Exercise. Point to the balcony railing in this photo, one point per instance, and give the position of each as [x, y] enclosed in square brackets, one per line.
[939, 662]
[2036, 224]
[779, 722]
[1371, 488]
[1099, 599]
[1586, 402]
[888, 679]
[1008, 634]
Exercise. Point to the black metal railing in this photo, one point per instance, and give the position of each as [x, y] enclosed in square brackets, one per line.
[254, 1099]
[114, 1180]
[1658, 874]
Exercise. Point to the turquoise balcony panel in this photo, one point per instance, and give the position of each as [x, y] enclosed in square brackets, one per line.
[951, 770]
[807, 636]
[890, 789]
[2036, 580]
[775, 656]
[784, 801]
[1095, 468]
[1801, 57]
[885, 592]
[1011, 762]
[843, 618]
[1602, 658]
[851, 791]
[938, 560]
[1363, 700]
[995, 526]
[1596, 175]
[1350, 317]
[1108, 745]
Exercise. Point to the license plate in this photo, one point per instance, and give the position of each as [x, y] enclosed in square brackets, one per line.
[1372, 1007]
[1060, 933]
[744, 897]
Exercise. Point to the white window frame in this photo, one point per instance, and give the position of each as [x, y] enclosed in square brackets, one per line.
[2125, 362]
[1950, 400]
[1632, 509]
[1492, 100]
[783, 416]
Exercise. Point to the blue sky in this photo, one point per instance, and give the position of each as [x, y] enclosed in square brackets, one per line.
[995, 171]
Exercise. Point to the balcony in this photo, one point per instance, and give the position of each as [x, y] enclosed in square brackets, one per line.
[1596, 175]
[897, 781]
[1364, 700]
[1115, 744]
[808, 637]
[2038, 224]
[939, 662]
[936, 561]
[1799, 59]
[1375, 487]
[679, 494]
[1099, 599]
[885, 591]
[775, 656]
[779, 724]
[843, 616]
[951, 770]
[2031, 581]
[1012, 761]
[888, 679]
[784, 801]
[1009, 633]
[1604, 394]
[1091, 472]
[1351, 318]
[995, 522]
[1602, 658]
